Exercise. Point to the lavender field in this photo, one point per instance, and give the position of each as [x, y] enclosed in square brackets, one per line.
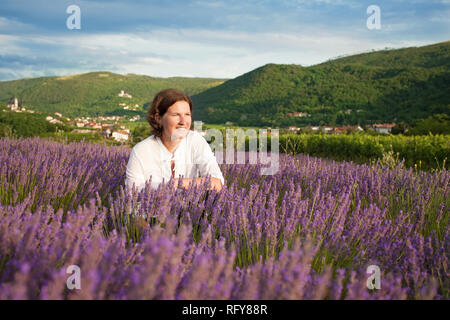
[308, 232]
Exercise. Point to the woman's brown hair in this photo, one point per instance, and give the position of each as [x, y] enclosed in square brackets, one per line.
[161, 102]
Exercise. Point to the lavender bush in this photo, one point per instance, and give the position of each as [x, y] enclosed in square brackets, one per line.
[308, 232]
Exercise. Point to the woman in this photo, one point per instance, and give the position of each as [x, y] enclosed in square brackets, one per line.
[173, 151]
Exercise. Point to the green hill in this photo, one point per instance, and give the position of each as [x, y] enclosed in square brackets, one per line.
[25, 124]
[95, 93]
[383, 86]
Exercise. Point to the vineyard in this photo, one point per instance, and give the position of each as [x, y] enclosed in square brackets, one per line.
[308, 232]
[425, 152]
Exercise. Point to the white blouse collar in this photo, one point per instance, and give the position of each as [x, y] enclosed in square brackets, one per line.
[166, 155]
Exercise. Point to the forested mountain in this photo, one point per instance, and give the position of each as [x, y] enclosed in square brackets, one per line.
[95, 93]
[383, 86]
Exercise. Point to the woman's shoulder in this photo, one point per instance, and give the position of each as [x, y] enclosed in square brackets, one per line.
[145, 144]
[194, 136]
[197, 143]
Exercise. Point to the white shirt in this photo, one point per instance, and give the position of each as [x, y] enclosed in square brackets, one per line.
[150, 158]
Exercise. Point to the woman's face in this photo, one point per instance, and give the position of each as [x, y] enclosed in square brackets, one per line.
[176, 118]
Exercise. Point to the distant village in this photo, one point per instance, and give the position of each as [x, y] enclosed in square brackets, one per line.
[384, 128]
[15, 107]
[108, 127]
[106, 130]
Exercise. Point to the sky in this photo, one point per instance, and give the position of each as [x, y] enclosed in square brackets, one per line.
[204, 38]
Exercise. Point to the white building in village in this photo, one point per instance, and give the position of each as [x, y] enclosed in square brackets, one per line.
[124, 94]
[384, 128]
[120, 135]
[14, 106]
[53, 120]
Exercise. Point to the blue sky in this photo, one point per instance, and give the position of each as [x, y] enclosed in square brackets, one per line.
[221, 39]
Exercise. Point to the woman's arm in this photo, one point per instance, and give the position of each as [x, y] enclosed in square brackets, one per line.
[206, 163]
[134, 172]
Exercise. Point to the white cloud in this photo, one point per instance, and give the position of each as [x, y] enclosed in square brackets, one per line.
[441, 16]
[190, 52]
[10, 24]
[347, 3]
